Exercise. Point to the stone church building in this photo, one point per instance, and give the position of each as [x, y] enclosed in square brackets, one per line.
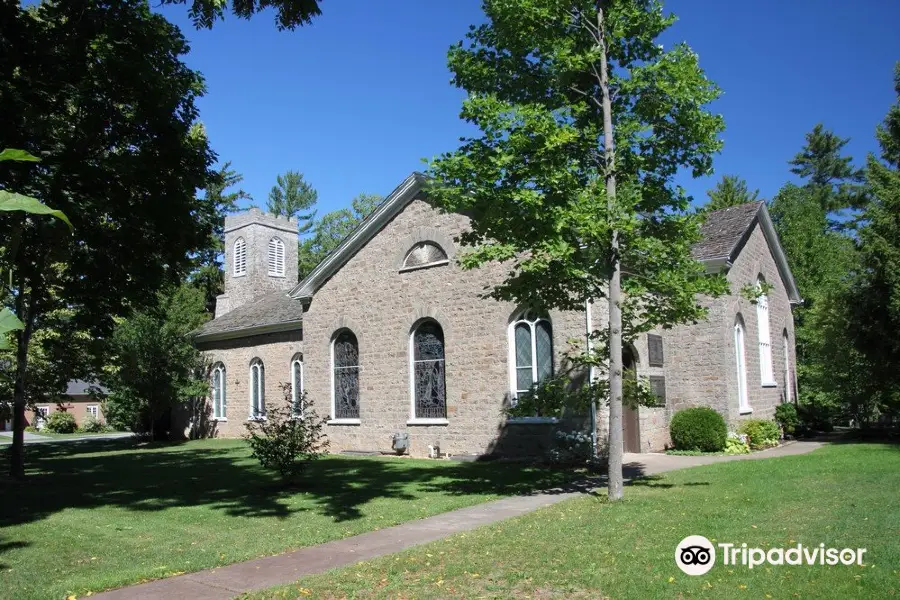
[389, 335]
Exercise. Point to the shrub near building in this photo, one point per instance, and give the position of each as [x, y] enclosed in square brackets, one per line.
[699, 429]
[762, 434]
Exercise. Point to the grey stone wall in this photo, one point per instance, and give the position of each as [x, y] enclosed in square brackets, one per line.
[257, 228]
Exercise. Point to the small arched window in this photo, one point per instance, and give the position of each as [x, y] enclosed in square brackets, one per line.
[429, 382]
[766, 370]
[297, 384]
[276, 257]
[425, 254]
[239, 257]
[257, 389]
[740, 361]
[218, 391]
[345, 366]
[531, 342]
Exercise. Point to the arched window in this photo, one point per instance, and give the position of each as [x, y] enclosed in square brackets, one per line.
[424, 254]
[766, 370]
[276, 257]
[257, 389]
[787, 367]
[531, 346]
[428, 376]
[297, 384]
[239, 257]
[740, 361]
[345, 361]
[218, 391]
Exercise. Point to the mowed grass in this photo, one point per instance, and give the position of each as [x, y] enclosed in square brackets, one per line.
[98, 514]
[842, 495]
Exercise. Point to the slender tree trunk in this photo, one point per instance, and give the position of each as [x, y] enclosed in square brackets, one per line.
[23, 337]
[616, 446]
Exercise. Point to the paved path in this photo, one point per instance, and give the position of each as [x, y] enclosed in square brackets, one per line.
[232, 580]
[36, 438]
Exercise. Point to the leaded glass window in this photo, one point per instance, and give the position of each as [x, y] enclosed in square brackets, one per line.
[218, 391]
[297, 385]
[257, 390]
[429, 382]
[346, 376]
[424, 254]
[533, 351]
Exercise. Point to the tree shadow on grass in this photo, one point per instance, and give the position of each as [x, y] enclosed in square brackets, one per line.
[7, 546]
[155, 477]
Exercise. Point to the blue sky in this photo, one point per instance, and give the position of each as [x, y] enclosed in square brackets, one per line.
[356, 100]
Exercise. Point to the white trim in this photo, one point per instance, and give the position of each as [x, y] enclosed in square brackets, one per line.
[786, 348]
[343, 422]
[239, 258]
[428, 422]
[219, 419]
[334, 420]
[296, 391]
[96, 410]
[437, 263]
[257, 364]
[740, 362]
[511, 343]
[221, 401]
[769, 384]
[275, 257]
[766, 368]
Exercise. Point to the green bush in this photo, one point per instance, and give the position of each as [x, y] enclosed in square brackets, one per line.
[31, 429]
[786, 416]
[734, 445]
[762, 434]
[61, 422]
[817, 412]
[94, 425]
[699, 428]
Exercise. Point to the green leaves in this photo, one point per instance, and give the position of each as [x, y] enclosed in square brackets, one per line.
[8, 323]
[11, 201]
[19, 155]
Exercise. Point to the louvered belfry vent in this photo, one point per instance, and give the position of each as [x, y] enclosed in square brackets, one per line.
[655, 350]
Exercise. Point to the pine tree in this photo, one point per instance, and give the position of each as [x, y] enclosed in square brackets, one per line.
[290, 196]
[731, 190]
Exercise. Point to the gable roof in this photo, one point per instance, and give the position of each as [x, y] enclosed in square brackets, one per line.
[724, 233]
[359, 237]
[275, 311]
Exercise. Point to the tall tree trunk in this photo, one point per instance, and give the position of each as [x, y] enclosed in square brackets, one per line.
[23, 337]
[616, 445]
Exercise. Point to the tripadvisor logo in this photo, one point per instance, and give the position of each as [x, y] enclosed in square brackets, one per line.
[696, 555]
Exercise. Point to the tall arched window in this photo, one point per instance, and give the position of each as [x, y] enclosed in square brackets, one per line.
[297, 384]
[218, 391]
[257, 389]
[345, 361]
[276, 257]
[740, 361]
[766, 370]
[239, 257]
[531, 346]
[787, 367]
[428, 375]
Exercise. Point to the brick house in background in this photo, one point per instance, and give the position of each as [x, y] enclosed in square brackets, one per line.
[388, 334]
[78, 401]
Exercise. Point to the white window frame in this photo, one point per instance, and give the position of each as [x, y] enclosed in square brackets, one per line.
[41, 414]
[93, 410]
[766, 366]
[740, 362]
[239, 257]
[276, 257]
[413, 420]
[220, 411]
[257, 412]
[788, 388]
[296, 386]
[513, 380]
[333, 420]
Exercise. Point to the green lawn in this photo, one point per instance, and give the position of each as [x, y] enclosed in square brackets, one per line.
[842, 495]
[105, 513]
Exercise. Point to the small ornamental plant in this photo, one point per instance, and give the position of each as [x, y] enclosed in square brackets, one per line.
[698, 428]
[285, 440]
[61, 422]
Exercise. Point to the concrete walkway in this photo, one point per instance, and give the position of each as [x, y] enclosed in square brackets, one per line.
[233, 580]
[36, 438]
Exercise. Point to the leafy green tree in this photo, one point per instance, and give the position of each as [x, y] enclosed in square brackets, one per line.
[290, 196]
[828, 173]
[208, 273]
[289, 13]
[731, 190]
[585, 120]
[99, 90]
[331, 229]
[153, 364]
